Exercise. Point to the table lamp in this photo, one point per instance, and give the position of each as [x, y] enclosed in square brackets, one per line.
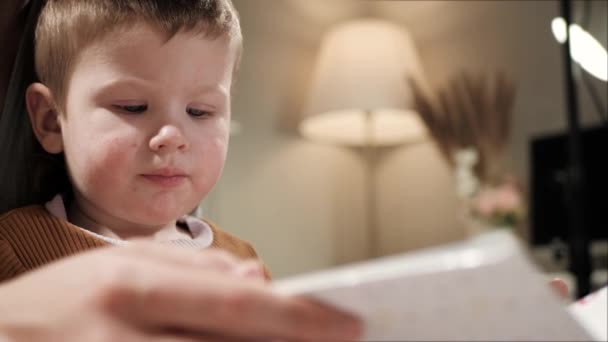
[360, 96]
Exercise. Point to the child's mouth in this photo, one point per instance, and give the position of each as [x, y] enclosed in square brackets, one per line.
[166, 181]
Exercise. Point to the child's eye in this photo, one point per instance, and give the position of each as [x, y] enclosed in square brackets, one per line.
[132, 108]
[197, 112]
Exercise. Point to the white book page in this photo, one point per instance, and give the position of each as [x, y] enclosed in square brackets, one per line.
[592, 313]
[482, 289]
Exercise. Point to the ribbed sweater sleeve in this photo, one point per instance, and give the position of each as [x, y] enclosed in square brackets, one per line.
[236, 246]
[10, 266]
[31, 237]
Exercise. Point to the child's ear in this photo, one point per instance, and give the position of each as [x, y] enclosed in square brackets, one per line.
[44, 117]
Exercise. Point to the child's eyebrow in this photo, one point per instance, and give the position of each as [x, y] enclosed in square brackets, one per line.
[123, 82]
[216, 90]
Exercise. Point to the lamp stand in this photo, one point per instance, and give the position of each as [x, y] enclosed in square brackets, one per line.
[578, 238]
[370, 185]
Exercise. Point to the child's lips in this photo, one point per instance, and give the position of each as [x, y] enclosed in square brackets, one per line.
[166, 177]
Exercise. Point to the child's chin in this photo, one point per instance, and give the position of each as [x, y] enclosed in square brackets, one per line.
[159, 217]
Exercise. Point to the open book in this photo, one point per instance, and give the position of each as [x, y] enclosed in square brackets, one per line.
[482, 289]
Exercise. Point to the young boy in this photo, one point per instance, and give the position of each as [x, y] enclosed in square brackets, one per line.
[131, 126]
[131, 118]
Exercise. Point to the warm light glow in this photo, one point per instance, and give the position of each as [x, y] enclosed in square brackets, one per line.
[584, 48]
[349, 127]
[558, 26]
[363, 66]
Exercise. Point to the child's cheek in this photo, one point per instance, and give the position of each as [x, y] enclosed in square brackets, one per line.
[220, 145]
[111, 162]
[212, 164]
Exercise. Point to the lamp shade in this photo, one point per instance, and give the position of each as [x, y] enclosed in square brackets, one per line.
[359, 93]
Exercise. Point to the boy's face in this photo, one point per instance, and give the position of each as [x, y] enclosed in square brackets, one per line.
[146, 127]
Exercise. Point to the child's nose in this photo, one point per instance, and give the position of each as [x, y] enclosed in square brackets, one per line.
[168, 139]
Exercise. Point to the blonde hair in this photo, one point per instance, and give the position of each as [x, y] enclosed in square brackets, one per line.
[29, 174]
[66, 27]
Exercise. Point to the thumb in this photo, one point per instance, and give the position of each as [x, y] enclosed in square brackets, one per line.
[560, 287]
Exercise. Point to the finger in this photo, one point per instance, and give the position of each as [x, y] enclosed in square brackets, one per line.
[181, 336]
[197, 338]
[560, 287]
[251, 269]
[214, 302]
[209, 259]
[176, 338]
[191, 338]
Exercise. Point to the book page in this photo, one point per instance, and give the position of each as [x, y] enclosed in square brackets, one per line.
[592, 313]
[481, 289]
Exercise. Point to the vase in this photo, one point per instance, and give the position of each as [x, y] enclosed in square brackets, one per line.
[473, 225]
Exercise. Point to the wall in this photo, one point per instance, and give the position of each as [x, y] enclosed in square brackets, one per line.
[302, 204]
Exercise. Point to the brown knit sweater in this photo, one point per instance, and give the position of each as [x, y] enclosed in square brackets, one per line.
[31, 237]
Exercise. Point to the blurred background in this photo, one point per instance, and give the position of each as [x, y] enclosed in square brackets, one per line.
[308, 205]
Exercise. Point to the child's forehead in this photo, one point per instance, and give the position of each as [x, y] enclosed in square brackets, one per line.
[144, 35]
[145, 52]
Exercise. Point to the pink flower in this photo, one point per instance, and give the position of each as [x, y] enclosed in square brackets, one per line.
[501, 205]
[485, 204]
[507, 198]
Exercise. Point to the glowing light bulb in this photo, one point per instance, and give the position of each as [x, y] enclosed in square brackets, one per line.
[584, 48]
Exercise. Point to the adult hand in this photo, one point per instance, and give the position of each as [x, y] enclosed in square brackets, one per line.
[147, 292]
[560, 287]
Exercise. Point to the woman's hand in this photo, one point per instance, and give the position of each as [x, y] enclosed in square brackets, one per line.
[147, 292]
[560, 287]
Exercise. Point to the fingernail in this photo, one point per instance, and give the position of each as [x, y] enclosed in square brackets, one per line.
[250, 270]
[351, 327]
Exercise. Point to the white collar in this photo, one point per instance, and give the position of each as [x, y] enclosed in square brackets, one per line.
[201, 232]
